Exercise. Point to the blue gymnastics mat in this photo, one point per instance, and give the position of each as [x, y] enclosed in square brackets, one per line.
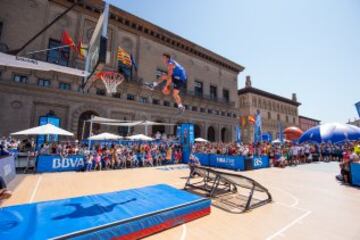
[128, 214]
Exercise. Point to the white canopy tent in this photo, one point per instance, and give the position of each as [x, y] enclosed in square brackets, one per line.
[278, 141]
[47, 129]
[141, 137]
[201, 140]
[28, 63]
[123, 123]
[105, 136]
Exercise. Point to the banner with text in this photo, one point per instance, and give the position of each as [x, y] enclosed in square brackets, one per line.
[57, 163]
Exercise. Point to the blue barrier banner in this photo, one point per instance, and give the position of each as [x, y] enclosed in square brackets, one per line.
[56, 163]
[236, 163]
[355, 174]
[7, 168]
[229, 162]
[203, 158]
[260, 162]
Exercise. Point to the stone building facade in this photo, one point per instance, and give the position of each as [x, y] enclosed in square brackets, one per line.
[306, 123]
[275, 110]
[25, 95]
[355, 122]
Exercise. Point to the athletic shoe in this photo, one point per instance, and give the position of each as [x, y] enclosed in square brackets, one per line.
[181, 108]
[149, 85]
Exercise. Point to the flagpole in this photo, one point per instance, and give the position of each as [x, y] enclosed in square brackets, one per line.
[49, 49]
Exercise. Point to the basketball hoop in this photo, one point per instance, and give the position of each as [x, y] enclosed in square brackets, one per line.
[111, 80]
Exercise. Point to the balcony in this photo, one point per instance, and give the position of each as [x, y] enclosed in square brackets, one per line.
[192, 93]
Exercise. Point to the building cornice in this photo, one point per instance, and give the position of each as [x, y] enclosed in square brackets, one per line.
[268, 95]
[144, 28]
[311, 119]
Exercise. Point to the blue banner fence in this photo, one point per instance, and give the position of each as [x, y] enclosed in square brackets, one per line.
[236, 163]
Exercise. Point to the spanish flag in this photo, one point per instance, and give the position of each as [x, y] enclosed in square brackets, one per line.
[67, 40]
[124, 57]
[251, 119]
[243, 121]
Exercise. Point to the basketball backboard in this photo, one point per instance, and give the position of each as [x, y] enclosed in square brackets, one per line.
[96, 53]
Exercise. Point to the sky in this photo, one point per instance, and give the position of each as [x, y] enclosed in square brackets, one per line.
[310, 47]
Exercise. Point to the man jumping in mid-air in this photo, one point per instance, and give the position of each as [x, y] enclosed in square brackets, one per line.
[176, 75]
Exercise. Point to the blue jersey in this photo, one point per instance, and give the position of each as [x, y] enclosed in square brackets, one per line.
[179, 71]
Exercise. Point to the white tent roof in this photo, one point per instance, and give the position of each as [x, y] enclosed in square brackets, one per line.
[140, 137]
[278, 141]
[149, 123]
[47, 129]
[28, 63]
[201, 140]
[96, 119]
[105, 136]
[116, 122]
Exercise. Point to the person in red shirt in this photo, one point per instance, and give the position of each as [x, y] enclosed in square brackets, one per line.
[345, 166]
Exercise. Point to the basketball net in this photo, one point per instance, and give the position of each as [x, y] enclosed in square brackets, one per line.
[111, 80]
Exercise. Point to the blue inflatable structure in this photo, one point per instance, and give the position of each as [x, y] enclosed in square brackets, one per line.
[129, 214]
[331, 132]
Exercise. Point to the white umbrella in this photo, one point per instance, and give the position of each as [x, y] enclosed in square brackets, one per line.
[105, 136]
[277, 141]
[200, 140]
[47, 129]
[140, 137]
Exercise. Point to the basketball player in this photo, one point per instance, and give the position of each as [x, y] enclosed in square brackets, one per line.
[176, 75]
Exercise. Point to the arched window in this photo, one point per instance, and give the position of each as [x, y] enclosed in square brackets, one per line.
[211, 134]
[197, 131]
[84, 127]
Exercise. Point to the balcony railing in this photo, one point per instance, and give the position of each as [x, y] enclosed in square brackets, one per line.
[192, 93]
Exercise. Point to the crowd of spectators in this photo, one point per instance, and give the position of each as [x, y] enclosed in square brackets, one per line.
[132, 155]
[282, 155]
[105, 156]
[162, 152]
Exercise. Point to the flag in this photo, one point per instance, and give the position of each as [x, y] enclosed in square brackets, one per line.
[281, 135]
[257, 128]
[251, 119]
[81, 49]
[244, 122]
[67, 40]
[124, 57]
[238, 134]
[133, 63]
[357, 105]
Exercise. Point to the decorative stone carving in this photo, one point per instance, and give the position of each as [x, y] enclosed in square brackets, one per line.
[16, 105]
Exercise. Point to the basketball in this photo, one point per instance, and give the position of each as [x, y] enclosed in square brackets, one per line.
[166, 90]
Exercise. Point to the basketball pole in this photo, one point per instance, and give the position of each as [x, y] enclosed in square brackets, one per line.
[49, 49]
[17, 51]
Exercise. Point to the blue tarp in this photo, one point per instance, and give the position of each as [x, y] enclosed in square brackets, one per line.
[355, 174]
[102, 216]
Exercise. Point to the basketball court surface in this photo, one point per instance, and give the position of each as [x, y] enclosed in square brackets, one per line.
[308, 203]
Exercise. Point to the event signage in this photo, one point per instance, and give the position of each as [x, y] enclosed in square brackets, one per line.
[261, 162]
[236, 163]
[187, 139]
[355, 174]
[7, 168]
[57, 163]
[238, 134]
[357, 105]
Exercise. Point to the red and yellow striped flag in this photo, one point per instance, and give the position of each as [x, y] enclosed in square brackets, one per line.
[124, 57]
[251, 119]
